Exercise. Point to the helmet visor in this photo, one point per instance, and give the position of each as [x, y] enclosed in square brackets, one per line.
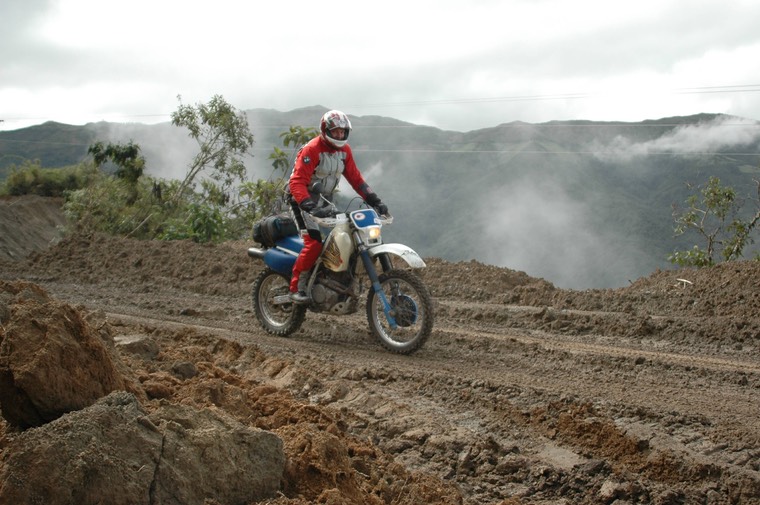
[335, 119]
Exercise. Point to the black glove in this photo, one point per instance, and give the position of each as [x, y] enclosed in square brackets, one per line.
[323, 212]
[307, 205]
[374, 201]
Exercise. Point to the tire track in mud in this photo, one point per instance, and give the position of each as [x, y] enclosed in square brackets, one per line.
[500, 357]
[555, 342]
[651, 380]
[482, 382]
[530, 399]
[468, 387]
[541, 362]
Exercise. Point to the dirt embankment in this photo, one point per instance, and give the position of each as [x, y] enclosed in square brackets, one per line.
[524, 393]
[28, 224]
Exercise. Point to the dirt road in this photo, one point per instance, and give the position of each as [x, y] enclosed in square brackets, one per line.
[523, 394]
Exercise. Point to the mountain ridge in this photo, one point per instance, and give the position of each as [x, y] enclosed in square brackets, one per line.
[558, 199]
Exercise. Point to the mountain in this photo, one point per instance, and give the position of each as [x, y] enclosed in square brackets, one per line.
[583, 204]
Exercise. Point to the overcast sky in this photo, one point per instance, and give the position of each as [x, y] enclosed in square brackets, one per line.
[455, 65]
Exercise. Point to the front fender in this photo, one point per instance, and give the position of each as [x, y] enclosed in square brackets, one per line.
[404, 252]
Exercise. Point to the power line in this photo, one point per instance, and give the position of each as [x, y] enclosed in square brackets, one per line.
[519, 98]
[739, 88]
[463, 151]
[520, 151]
[732, 88]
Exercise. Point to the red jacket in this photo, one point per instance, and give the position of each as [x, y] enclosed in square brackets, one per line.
[320, 161]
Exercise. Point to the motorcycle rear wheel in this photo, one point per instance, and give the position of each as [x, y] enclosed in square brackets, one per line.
[412, 310]
[277, 319]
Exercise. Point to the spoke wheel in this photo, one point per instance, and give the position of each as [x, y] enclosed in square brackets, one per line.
[277, 319]
[411, 309]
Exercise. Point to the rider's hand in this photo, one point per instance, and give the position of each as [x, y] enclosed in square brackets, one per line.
[374, 201]
[307, 205]
[381, 209]
[323, 212]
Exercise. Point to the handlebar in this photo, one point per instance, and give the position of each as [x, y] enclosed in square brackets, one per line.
[342, 217]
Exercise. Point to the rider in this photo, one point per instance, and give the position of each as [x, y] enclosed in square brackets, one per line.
[322, 160]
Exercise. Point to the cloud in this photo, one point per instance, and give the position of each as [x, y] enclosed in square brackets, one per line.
[724, 132]
[536, 227]
[468, 66]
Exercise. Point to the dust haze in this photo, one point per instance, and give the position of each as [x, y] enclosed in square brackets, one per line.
[539, 229]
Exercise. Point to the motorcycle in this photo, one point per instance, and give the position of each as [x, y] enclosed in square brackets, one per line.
[398, 305]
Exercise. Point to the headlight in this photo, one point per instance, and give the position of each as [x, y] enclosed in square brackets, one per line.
[370, 235]
[374, 232]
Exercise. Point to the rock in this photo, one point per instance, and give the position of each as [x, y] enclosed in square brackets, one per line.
[209, 455]
[113, 452]
[51, 361]
[611, 490]
[79, 457]
[142, 346]
[185, 370]
[593, 466]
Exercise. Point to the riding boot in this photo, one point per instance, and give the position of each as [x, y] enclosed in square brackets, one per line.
[300, 296]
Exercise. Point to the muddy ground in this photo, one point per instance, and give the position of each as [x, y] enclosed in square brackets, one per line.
[524, 393]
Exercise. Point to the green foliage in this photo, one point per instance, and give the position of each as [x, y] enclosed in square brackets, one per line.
[130, 164]
[118, 205]
[224, 139]
[261, 195]
[201, 223]
[714, 214]
[129, 203]
[31, 179]
[694, 257]
[296, 136]
[112, 205]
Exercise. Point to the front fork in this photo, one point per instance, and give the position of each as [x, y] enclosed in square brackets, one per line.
[369, 266]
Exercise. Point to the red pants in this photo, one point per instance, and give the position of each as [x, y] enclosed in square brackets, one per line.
[306, 259]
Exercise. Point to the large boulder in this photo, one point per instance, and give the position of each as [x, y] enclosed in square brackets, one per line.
[114, 452]
[206, 454]
[51, 360]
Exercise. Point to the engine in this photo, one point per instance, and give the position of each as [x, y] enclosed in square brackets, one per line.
[335, 293]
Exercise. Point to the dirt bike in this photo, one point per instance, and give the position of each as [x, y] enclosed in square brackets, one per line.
[399, 306]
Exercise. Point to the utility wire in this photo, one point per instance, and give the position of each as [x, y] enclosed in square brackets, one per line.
[464, 151]
[739, 88]
[735, 88]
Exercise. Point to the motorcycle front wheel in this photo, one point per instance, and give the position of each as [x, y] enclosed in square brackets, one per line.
[411, 309]
[276, 317]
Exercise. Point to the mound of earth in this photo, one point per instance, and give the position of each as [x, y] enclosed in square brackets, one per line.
[525, 393]
[28, 224]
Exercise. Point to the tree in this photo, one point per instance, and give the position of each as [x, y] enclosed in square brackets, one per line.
[174, 210]
[296, 136]
[224, 139]
[125, 156]
[130, 164]
[265, 197]
[714, 213]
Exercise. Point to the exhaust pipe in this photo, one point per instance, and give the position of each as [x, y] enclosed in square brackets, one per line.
[255, 252]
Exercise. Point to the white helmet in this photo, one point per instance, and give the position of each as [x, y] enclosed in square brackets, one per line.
[334, 119]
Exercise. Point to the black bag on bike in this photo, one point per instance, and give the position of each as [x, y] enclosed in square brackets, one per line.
[272, 228]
